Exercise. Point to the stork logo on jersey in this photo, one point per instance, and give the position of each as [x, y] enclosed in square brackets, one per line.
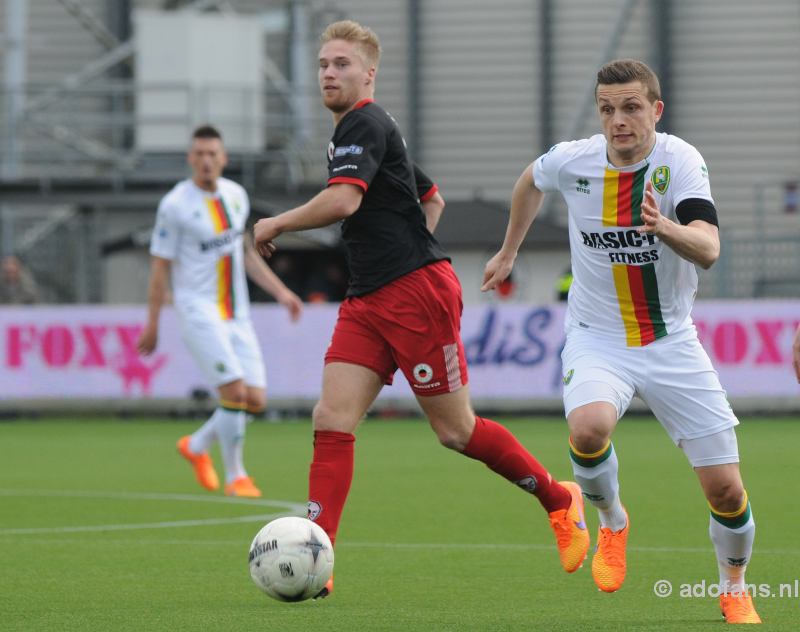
[220, 367]
[583, 185]
[348, 149]
[704, 171]
[331, 149]
[314, 510]
[568, 377]
[528, 483]
[660, 179]
[423, 373]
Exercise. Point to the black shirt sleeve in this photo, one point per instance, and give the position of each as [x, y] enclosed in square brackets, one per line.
[691, 209]
[426, 188]
[359, 146]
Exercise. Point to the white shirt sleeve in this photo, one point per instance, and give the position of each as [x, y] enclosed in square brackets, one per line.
[547, 166]
[691, 177]
[166, 233]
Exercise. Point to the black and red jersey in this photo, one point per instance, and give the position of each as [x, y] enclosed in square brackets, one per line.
[386, 237]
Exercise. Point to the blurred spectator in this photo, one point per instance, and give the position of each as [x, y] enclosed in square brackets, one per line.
[327, 285]
[563, 283]
[18, 286]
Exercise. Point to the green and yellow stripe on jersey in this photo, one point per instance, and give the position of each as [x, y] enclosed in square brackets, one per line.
[221, 221]
[639, 305]
[622, 197]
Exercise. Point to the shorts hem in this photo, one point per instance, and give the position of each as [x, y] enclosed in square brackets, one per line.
[387, 380]
[706, 432]
[594, 400]
[715, 460]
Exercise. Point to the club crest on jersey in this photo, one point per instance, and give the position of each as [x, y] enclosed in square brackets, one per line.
[423, 373]
[331, 149]
[660, 179]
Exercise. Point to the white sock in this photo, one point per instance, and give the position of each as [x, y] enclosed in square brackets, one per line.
[229, 426]
[733, 546]
[203, 438]
[600, 486]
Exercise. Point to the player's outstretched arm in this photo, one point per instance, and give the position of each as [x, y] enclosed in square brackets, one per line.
[526, 200]
[339, 201]
[157, 291]
[433, 207]
[263, 276]
[796, 353]
[697, 241]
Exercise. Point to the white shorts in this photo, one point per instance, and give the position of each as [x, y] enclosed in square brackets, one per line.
[672, 375]
[225, 351]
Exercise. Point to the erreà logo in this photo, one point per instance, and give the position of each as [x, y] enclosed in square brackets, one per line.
[660, 179]
[582, 185]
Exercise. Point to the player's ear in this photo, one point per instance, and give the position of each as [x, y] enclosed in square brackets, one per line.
[659, 110]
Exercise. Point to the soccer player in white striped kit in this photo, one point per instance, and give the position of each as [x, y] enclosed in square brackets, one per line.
[641, 216]
[199, 244]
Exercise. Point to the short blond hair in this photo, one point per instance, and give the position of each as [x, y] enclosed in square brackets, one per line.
[367, 42]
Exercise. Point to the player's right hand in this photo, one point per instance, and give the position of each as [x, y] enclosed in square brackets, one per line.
[496, 271]
[264, 232]
[147, 341]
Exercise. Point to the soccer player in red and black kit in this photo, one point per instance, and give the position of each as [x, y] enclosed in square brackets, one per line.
[403, 305]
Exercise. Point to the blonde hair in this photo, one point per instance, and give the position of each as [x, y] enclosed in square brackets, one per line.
[365, 39]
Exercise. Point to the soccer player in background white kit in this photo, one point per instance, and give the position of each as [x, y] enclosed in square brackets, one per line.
[640, 217]
[199, 243]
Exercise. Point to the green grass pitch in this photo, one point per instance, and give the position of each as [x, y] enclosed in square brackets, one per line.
[102, 527]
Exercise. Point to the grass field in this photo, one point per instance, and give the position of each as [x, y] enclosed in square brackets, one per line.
[102, 527]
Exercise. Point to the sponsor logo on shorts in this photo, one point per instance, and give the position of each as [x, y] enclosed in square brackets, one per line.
[568, 377]
[314, 509]
[426, 387]
[423, 373]
[528, 483]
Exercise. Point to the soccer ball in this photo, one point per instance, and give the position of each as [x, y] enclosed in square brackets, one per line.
[291, 559]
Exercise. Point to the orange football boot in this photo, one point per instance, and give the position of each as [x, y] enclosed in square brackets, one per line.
[569, 525]
[608, 564]
[738, 608]
[244, 487]
[201, 463]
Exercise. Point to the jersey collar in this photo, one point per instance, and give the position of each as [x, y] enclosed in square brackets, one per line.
[362, 103]
[633, 168]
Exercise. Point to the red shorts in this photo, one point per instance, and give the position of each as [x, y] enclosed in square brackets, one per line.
[413, 323]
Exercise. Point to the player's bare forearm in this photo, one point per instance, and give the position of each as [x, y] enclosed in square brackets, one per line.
[157, 288]
[526, 200]
[433, 208]
[697, 242]
[335, 203]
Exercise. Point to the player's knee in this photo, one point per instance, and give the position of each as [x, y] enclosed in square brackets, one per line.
[325, 417]
[588, 438]
[256, 401]
[726, 496]
[454, 436]
[234, 393]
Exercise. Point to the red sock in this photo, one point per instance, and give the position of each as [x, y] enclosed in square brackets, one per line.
[329, 478]
[495, 446]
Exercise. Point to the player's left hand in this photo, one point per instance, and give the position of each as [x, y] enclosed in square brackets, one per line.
[293, 303]
[264, 233]
[653, 220]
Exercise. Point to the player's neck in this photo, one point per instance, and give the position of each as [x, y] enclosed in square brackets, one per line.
[338, 116]
[618, 160]
[209, 186]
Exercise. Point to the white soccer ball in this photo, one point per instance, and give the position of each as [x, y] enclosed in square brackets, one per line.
[291, 559]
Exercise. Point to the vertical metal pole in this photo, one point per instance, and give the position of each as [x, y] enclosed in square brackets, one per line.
[299, 67]
[546, 74]
[15, 72]
[662, 57]
[412, 133]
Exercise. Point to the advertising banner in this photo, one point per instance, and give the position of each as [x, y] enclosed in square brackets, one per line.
[513, 351]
